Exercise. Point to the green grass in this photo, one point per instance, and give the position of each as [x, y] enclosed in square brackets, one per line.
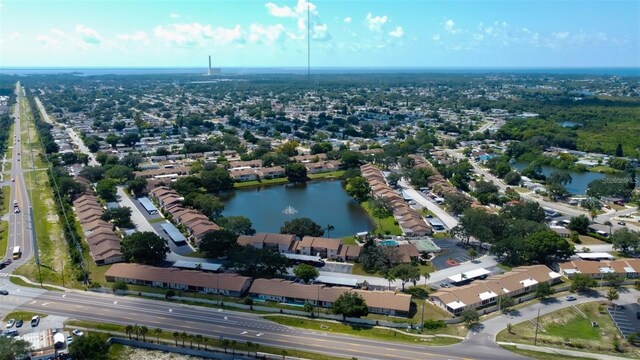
[356, 330]
[604, 169]
[588, 240]
[349, 240]
[324, 175]
[539, 355]
[19, 281]
[6, 198]
[257, 183]
[7, 166]
[23, 315]
[383, 225]
[504, 267]
[4, 238]
[158, 220]
[567, 329]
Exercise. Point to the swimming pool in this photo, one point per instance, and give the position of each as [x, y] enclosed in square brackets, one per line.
[389, 243]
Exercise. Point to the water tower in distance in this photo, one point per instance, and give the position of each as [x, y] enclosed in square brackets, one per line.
[213, 70]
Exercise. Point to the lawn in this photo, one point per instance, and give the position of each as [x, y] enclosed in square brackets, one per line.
[256, 183]
[23, 315]
[604, 169]
[6, 198]
[349, 240]
[7, 166]
[539, 355]
[356, 330]
[4, 236]
[383, 225]
[588, 240]
[20, 282]
[330, 174]
[568, 329]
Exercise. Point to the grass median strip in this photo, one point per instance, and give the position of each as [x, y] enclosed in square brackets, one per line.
[23, 315]
[539, 355]
[356, 330]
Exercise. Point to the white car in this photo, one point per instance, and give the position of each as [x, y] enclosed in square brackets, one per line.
[77, 332]
[15, 202]
[570, 298]
[10, 323]
[17, 210]
[69, 340]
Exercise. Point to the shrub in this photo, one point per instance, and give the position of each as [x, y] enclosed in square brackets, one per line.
[169, 294]
[434, 324]
[248, 301]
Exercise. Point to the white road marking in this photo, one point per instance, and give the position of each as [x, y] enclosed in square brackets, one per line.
[170, 310]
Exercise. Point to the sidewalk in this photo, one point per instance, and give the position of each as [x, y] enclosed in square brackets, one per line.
[563, 352]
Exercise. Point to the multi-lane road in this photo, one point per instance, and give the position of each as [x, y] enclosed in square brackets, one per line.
[20, 233]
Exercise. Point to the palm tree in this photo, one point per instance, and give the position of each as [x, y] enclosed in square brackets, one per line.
[473, 254]
[191, 337]
[205, 340]
[143, 331]
[609, 224]
[176, 335]
[389, 277]
[183, 336]
[427, 276]
[593, 213]
[198, 340]
[136, 329]
[157, 331]
[128, 330]
[329, 229]
[612, 295]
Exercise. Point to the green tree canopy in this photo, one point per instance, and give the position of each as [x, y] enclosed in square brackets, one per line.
[302, 227]
[145, 248]
[258, 262]
[306, 272]
[239, 225]
[350, 304]
[296, 172]
[579, 224]
[406, 273]
[216, 180]
[218, 243]
[582, 282]
[626, 241]
[89, 347]
[11, 348]
[120, 216]
[106, 189]
[358, 188]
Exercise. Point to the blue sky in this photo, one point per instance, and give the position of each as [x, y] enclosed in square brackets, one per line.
[344, 33]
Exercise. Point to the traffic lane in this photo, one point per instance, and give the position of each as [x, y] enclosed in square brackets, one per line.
[109, 309]
[320, 343]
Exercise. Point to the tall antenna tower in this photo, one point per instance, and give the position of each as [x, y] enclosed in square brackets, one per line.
[209, 72]
[308, 40]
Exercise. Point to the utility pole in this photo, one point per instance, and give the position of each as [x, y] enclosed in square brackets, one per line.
[218, 287]
[62, 263]
[535, 340]
[422, 318]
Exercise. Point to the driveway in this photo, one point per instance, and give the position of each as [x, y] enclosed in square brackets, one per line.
[448, 220]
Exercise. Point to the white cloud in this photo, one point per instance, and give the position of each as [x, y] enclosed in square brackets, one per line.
[47, 41]
[138, 36]
[561, 35]
[374, 23]
[174, 16]
[347, 20]
[436, 37]
[88, 35]
[14, 36]
[265, 34]
[285, 11]
[450, 27]
[320, 32]
[478, 37]
[398, 32]
[196, 34]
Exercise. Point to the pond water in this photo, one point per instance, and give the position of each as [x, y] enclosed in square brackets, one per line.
[578, 185]
[569, 124]
[325, 202]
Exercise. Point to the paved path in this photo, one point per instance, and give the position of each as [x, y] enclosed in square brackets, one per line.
[449, 221]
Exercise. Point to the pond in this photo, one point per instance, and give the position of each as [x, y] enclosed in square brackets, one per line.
[580, 180]
[325, 202]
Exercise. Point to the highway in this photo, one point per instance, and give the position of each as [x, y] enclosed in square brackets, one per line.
[20, 231]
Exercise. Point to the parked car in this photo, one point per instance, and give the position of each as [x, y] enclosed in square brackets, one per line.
[10, 323]
[570, 298]
[69, 340]
[19, 323]
[16, 210]
[35, 321]
[77, 332]
[622, 223]
[4, 292]
[10, 333]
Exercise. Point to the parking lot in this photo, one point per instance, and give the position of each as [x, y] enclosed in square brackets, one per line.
[450, 249]
[625, 318]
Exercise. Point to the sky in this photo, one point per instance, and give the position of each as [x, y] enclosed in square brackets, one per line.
[344, 33]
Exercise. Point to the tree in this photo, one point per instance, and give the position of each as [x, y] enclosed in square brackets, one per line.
[209, 205]
[306, 272]
[119, 172]
[145, 248]
[612, 294]
[92, 173]
[614, 280]
[581, 282]
[543, 246]
[580, 224]
[296, 172]
[609, 224]
[120, 216]
[619, 152]
[302, 227]
[381, 208]
[469, 316]
[106, 189]
[187, 185]
[128, 330]
[358, 188]
[112, 139]
[258, 262]
[130, 139]
[216, 180]
[144, 331]
[308, 307]
[157, 332]
[350, 304]
[137, 186]
[321, 148]
[543, 290]
[379, 258]
[89, 347]
[198, 339]
[218, 243]
[120, 286]
[176, 335]
[506, 302]
[560, 177]
[351, 159]
[11, 348]
[406, 273]
[184, 337]
[239, 225]
[512, 178]
[457, 203]
[626, 241]
[473, 254]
